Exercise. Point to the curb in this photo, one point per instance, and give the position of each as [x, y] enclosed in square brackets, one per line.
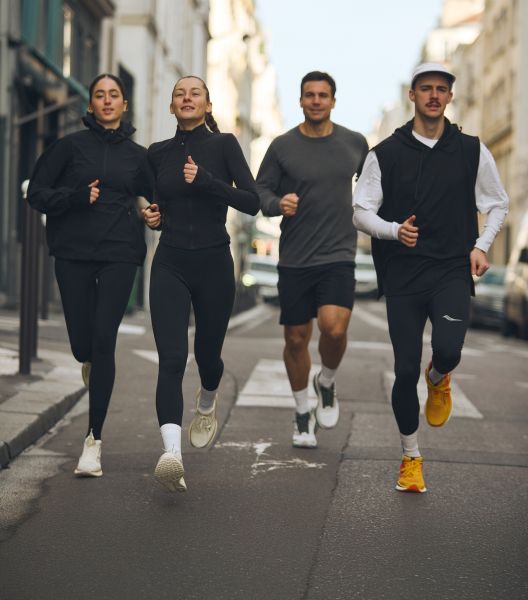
[38, 406]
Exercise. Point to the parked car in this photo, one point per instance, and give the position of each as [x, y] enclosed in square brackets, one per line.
[261, 272]
[366, 282]
[516, 296]
[487, 306]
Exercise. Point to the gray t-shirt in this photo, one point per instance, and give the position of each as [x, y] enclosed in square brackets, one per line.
[319, 170]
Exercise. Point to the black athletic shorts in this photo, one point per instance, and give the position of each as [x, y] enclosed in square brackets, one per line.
[303, 290]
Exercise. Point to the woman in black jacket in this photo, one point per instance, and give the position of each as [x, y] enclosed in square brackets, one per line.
[87, 183]
[194, 172]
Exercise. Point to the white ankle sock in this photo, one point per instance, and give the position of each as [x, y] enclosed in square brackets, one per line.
[301, 401]
[205, 404]
[171, 435]
[327, 376]
[435, 376]
[410, 444]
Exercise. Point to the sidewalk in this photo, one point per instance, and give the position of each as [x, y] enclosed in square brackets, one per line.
[31, 405]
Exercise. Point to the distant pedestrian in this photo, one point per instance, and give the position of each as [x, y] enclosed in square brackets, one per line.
[87, 183]
[418, 197]
[306, 176]
[194, 173]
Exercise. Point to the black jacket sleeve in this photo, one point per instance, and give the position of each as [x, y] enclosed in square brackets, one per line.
[244, 196]
[43, 194]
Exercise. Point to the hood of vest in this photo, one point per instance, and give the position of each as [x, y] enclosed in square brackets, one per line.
[448, 141]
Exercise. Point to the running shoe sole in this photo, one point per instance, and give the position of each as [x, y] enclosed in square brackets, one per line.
[169, 473]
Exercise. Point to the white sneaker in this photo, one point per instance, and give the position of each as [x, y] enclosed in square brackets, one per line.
[327, 409]
[304, 430]
[169, 472]
[89, 464]
[85, 373]
[203, 426]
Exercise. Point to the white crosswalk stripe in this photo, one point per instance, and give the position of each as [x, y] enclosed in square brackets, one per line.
[462, 405]
[268, 385]
[152, 356]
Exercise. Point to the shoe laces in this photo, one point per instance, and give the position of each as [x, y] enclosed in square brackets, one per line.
[411, 469]
[327, 395]
[303, 423]
[204, 422]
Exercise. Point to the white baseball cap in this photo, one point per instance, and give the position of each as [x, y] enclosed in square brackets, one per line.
[432, 68]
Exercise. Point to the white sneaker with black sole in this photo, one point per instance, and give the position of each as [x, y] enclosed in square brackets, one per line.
[89, 464]
[327, 409]
[169, 472]
[304, 430]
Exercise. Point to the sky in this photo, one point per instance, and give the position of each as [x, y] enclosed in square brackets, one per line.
[368, 46]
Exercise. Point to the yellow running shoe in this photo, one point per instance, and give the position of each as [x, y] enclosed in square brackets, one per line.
[411, 475]
[438, 405]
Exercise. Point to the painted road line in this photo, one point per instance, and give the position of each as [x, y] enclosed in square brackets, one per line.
[129, 329]
[380, 323]
[152, 356]
[385, 346]
[462, 406]
[268, 386]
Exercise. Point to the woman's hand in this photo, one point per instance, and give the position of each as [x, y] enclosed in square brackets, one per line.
[152, 216]
[408, 233]
[94, 190]
[189, 170]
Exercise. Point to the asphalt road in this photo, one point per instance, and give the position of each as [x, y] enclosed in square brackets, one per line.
[262, 520]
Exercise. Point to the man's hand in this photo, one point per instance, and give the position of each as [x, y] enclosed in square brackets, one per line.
[408, 233]
[94, 191]
[288, 205]
[152, 216]
[189, 170]
[479, 262]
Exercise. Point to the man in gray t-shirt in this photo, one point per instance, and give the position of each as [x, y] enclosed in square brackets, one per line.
[306, 176]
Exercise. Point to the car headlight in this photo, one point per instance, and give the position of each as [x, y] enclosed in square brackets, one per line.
[248, 280]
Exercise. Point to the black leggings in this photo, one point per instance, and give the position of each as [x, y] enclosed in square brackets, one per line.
[178, 277]
[94, 298]
[448, 311]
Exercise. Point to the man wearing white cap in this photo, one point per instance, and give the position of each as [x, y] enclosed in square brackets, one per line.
[418, 197]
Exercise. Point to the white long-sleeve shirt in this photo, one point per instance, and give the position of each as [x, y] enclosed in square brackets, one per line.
[490, 195]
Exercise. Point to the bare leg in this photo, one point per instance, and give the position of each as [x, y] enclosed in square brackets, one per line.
[296, 355]
[333, 324]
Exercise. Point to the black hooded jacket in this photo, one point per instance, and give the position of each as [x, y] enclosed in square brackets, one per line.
[194, 214]
[438, 186]
[109, 229]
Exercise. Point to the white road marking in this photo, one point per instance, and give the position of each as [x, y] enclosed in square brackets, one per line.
[152, 356]
[265, 465]
[385, 346]
[462, 406]
[129, 329]
[371, 319]
[268, 385]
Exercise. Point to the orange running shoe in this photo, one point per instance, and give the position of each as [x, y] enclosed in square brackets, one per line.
[411, 475]
[438, 405]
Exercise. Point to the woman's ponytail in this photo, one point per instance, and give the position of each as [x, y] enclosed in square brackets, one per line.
[211, 123]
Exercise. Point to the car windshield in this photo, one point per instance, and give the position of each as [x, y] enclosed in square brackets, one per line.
[493, 277]
[267, 267]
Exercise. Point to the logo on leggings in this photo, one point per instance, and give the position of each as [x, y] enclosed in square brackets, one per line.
[448, 318]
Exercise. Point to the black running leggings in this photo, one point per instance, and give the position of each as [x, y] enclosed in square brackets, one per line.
[178, 278]
[94, 298]
[448, 310]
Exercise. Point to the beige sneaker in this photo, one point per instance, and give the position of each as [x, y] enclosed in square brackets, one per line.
[169, 472]
[203, 427]
[89, 464]
[85, 372]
